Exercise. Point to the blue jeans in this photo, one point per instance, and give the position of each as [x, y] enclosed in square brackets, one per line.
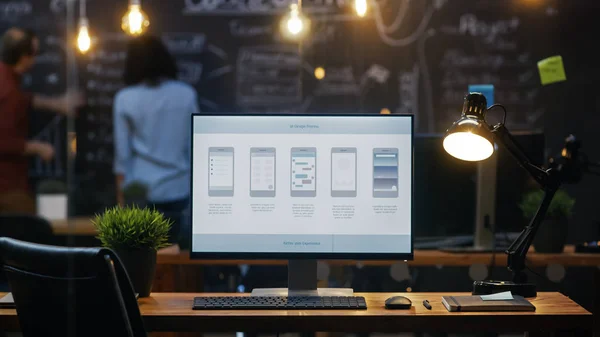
[177, 211]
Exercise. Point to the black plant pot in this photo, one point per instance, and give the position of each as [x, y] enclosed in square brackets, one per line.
[551, 237]
[141, 266]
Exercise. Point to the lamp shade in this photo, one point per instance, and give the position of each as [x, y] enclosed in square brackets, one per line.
[470, 138]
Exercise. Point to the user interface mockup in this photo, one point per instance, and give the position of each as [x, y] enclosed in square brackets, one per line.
[302, 184]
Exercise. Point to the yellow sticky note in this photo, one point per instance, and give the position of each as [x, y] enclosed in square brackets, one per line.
[552, 70]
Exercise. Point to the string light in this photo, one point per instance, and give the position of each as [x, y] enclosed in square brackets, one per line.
[360, 6]
[294, 25]
[319, 73]
[84, 41]
[135, 21]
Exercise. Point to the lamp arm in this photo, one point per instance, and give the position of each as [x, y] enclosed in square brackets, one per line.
[550, 182]
[517, 252]
[503, 136]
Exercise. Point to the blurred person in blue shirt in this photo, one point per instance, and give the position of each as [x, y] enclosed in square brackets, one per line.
[152, 117]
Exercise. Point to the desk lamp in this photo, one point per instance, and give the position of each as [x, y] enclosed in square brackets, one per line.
[471, 138]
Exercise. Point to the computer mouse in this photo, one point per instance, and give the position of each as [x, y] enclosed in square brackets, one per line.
[398, 302]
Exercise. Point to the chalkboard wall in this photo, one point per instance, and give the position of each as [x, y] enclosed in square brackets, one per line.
[408, 56]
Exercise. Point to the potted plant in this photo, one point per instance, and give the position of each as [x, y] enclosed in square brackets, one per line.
[135, 194]
[552, 234]
[135, 235]
[52, 199]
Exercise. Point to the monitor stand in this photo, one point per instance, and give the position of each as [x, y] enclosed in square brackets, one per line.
[302, 281]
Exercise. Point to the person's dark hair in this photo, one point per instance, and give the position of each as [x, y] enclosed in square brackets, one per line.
[16, 43]
[148, 60]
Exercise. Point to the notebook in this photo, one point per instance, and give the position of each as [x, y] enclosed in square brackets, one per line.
[476, 303]
[7, 302]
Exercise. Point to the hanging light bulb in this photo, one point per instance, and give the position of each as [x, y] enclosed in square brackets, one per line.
[295, 26]
[135, 22]
[84, 41]
[360, 6]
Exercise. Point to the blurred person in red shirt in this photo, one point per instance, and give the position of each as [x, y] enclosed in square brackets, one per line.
[19, 48]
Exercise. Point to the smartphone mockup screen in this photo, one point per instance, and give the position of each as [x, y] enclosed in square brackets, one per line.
[220, 171]
[262, 172]
[303, 175]
[343, 172]
[385, 173]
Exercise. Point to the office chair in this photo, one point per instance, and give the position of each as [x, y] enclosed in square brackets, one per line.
[28, 228]
[22, 227]
[60, 291]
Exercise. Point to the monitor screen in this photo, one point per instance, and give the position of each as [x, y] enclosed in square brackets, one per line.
[302, 186]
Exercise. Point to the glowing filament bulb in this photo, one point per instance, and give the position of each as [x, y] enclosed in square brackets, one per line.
[294, 26]
[360, 6]
[135, 20]
[84, 42]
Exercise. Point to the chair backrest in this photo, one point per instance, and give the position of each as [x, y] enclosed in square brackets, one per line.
[61, 291]
[28, 228]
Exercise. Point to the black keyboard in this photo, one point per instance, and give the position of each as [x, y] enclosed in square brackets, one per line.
[279, 303]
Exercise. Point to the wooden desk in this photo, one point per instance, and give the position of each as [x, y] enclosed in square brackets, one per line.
[81, 226]
[173, 312]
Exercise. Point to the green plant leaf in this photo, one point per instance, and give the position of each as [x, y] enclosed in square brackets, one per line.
[132, 228]
[561, 205]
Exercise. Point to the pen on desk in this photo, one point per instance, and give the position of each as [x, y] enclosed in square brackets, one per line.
[426, 304]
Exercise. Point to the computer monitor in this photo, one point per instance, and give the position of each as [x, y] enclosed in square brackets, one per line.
[445, 189]
[302, 187]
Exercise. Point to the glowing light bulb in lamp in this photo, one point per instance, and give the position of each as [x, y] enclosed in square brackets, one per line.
[295, 25]
[84, 41]
[135, 22]
[360, 6]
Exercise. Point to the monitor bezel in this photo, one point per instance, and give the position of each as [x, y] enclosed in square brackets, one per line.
[301, 256]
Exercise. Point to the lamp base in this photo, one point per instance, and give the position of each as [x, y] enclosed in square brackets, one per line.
[492, 287]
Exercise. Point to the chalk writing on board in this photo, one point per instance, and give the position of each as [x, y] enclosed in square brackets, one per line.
[268, 75]
[101, 155]
[103, 86]
[52, 78]
[100, 100]
[100, 136]
[50, 57]
[101, 70]
[189, 72]
[469, 24]
[265, 7]
[58, 6]
[322, 34]
[376, 73]
[385, 31]
[100, 118]
[408, 91]
[452, 77]
[219, 72]
[497, 34]
[339, 81]
[184, 43]
[14, 10]
[239, 28]
[105, 56]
